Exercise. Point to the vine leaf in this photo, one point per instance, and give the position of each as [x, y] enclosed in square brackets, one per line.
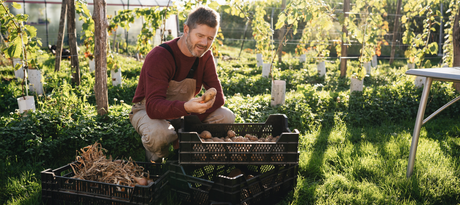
[16, 5]
[281, 19]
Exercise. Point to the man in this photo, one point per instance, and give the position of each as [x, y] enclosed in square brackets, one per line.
[170, 79]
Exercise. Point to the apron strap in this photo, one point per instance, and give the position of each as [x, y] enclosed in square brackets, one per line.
[194, 66]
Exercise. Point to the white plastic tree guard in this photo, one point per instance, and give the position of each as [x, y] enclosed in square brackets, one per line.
[16, 61]
[260, 61]
[116, 77]
[321, 67]
[368, 67]
[35, 81]
[419, 81]
[215, 61]
[278, 92]
[92, 66]
[20, 72]
[303, 58]
[356, 85]
[266, 69]
[411, 65]
[374, 61]
[26, 103]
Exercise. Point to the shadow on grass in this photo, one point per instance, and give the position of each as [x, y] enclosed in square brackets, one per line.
[311, 172]
[381, 155]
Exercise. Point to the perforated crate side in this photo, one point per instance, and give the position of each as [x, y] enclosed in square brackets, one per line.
[267, 187]
[210, 183]
[190, 189]
[59, 188]
[193, 151]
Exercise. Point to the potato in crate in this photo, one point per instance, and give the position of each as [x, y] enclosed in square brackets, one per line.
[247, 143]
[232, 184]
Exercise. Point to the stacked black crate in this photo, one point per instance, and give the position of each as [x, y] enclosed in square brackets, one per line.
[257, 172]
[59, 186]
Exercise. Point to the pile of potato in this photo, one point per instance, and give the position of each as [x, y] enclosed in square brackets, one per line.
[206, 136]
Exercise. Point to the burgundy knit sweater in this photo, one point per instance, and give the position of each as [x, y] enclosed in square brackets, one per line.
[158, 70]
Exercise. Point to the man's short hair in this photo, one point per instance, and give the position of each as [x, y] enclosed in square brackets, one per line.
[203, 15]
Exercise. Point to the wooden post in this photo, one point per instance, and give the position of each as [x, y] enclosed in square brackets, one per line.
[343, 53]
[281, 34]
[100, 53]
[395, 31]
[456, 45]
[72, 33]
[60, 40]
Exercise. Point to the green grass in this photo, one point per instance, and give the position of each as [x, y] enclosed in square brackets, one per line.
[351, 165]
[342, 160]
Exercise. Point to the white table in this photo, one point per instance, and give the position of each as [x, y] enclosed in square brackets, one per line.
[439, 74]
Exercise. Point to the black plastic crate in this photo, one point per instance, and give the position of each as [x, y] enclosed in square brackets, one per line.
[193, 151]
[59, 188]
[211, 184]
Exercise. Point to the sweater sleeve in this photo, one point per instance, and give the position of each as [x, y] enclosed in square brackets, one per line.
[211, 80]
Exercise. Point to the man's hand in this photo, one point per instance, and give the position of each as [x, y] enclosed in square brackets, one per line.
[195, 106]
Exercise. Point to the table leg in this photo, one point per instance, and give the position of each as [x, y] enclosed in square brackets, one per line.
[418, 125]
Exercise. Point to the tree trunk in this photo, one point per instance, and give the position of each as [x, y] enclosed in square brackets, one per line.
[60, 40]
[71, 31]
[281, 34]
[343, 53]
[100, 48]
[395, 31]
[456, 44]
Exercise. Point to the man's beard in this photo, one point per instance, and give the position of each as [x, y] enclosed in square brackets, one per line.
[190, 47]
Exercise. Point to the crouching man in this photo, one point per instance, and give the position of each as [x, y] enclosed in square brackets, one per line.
[172, 76]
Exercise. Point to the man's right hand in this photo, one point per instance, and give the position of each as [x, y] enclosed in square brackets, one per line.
[195, 106]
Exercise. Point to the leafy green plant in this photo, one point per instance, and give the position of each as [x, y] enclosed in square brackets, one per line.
[357, 72]
[448, 48]
[318, 19]
[420, 43]
[367, 26]
[262, 32]
[87, 28]
[153, 18]
[112, 61]
[21, 40]
[217, 43]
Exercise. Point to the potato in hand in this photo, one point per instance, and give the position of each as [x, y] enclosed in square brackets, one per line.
[208, 95]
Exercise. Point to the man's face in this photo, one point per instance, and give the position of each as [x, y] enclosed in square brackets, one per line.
[200, 39]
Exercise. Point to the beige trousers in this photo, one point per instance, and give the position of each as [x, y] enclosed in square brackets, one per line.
[157, 134]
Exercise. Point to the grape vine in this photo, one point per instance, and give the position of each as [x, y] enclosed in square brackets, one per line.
[419, 44]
